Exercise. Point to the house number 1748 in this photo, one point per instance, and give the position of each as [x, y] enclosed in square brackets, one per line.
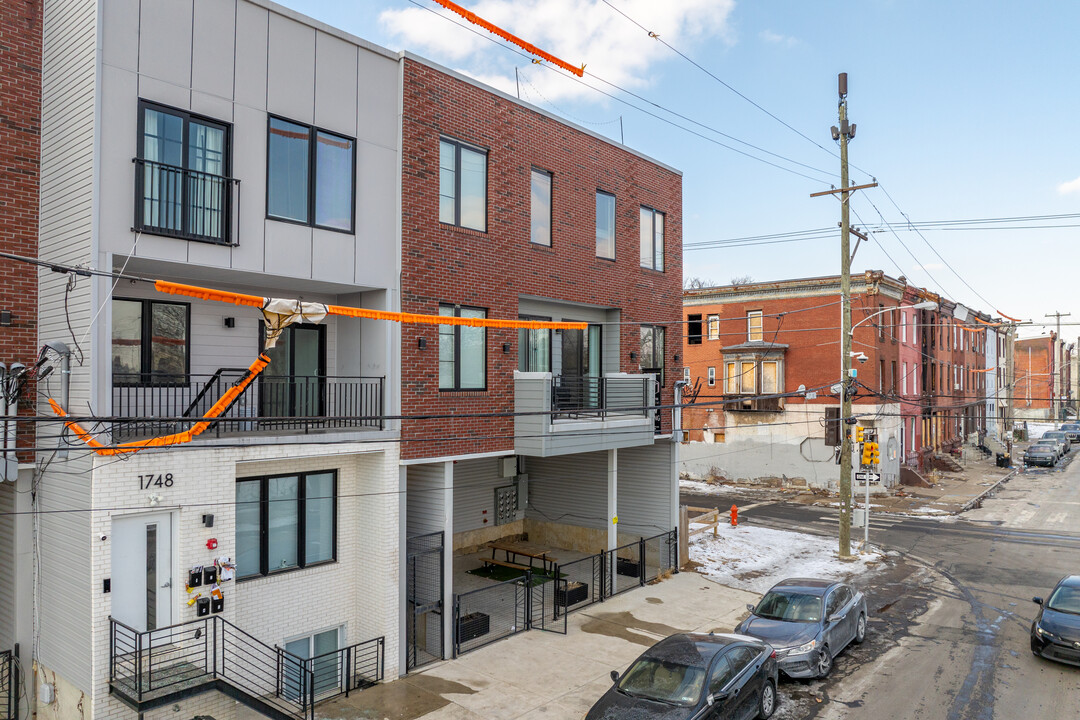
[148, 481]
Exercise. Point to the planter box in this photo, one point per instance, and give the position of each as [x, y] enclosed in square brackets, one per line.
[630, 568]
[574, 593]
[472, 626]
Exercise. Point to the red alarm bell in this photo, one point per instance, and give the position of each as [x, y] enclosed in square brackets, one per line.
[211, 544]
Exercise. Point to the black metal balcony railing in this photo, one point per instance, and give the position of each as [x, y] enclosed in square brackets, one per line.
[9, 687]
[188, 204]
[151, 669]
[599, 397]
[272, 404]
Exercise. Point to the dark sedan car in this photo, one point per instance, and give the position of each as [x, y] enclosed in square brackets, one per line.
[1055, 634]
[808, 622]
[1043, 452]
[694, 677]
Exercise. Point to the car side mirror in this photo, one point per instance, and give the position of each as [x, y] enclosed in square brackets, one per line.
[614, 676]
[749, 607]
[1037, 600]
[836, 618]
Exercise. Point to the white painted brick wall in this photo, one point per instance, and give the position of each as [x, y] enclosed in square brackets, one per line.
[359, 592]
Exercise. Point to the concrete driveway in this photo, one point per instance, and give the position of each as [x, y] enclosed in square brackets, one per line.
[548, 675]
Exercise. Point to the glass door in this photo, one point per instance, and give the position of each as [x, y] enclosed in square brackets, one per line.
[294, 383]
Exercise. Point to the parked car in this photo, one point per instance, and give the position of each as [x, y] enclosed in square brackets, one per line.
[1055, 633]
[1043, 452]
[1059, 443]
[1058, 435]
[808, 622]
[1072, 430]
[694, 677]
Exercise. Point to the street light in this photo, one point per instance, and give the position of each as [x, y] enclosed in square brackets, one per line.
[845, 361]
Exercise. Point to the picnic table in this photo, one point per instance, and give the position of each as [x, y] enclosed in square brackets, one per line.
[513, 550]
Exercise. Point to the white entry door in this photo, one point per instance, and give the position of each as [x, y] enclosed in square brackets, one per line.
[142, 571]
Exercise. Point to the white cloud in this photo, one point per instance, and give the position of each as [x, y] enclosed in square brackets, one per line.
[1073, 186]
[777, 39]
[578, 31]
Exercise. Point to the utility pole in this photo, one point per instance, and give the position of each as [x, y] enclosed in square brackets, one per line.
[1059, 358]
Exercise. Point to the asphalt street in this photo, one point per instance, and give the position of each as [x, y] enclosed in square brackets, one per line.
[951, 616]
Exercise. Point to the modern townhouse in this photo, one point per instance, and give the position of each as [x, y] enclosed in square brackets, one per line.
[20, 128]
[553, 436]
[239, 146]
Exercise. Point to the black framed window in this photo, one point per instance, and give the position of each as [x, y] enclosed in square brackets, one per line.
[462, 185]
[652, 347]
[309, 176]
[182, 183]
[605, 225]
[693, 329]
[534, 347]
[462, 351]
[285, 522]
[652, 238]
[540, 216]
[150, 343]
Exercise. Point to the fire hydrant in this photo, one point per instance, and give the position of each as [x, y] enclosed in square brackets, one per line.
[734, 516]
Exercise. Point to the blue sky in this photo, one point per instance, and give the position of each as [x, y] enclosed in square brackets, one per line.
[965, 109]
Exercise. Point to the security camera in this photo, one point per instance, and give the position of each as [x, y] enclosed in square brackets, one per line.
[861, 357]
[104, 537]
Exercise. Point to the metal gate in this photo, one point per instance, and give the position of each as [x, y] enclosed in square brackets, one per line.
[424, 592]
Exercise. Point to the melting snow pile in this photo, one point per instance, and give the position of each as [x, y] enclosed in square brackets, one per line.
[756, 558]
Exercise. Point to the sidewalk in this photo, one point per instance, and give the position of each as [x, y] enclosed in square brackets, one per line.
[540, 674]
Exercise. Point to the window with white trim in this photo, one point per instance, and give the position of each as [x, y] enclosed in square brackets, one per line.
[714, 327]
[712, 376]
[753, 326]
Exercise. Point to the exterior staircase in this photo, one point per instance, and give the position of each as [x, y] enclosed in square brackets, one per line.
[152, 669]
[946, 463]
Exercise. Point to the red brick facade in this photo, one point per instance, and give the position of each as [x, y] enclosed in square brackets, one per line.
[20, 131]
[444, 263]
[1035, 368]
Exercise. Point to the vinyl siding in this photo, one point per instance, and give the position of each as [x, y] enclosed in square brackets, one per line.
[67, 175]
[474, 493]
[424, 502]
[569, 489]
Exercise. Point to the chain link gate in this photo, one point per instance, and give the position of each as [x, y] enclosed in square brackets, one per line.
[424, 590]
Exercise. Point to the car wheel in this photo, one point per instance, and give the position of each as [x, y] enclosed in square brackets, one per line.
[824, 662]
[860, 629]
[767, 701]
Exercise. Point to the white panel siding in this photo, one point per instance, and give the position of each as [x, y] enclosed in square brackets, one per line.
[67, 173]
[335, 84]
[165, 40]
[474, 493]
[212, 47]
[645, 479]
[424, 501]
[291, 70]
[569, 489]
[7, 565]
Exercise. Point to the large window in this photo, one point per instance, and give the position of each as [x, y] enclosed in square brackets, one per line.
[652, 347]
[714, 327]
[462, 185]
[605, 225]
[540, 217]
[181, 185]
[462, 351]
[693, 329]
[652, 239]
[749, 376]
[285, 522]
[149, 342]
[309, 176]
[534, 347]
[753, 326]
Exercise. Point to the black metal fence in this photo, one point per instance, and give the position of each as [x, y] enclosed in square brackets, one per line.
[9, 687]
[271, 404]
[576, 396]
[541, 602]
[183, 203]
[424, 596]
[144, 666]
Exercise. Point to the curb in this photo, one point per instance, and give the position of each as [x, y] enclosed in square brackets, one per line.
[977, 500]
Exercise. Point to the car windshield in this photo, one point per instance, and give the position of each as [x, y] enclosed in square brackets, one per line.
[1045, 444]
[664, 682]
[1065, 599]
[1056, 435]
[789, 606]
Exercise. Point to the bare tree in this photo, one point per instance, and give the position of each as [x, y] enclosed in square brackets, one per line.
[696, 283]
[742, 279]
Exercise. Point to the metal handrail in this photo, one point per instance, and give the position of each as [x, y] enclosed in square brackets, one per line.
[184, 203]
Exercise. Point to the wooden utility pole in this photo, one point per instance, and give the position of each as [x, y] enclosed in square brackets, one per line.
[1059, 359]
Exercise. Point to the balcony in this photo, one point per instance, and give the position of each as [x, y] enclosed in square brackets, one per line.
[156, 668]
[187, 204]
[558, 415]
[148, 405]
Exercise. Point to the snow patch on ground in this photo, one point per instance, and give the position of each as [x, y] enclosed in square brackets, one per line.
[701, 488]
[756, 558]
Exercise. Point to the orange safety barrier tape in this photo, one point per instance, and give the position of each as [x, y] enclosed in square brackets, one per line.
[527, 47]
[176, 438]
[1008, 318]
[256, 301]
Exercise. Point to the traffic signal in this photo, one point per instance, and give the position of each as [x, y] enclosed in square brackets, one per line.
[859, 434]
[875, 456]
[866, 453]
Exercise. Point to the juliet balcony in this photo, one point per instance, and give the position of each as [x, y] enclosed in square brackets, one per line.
[559, 414]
